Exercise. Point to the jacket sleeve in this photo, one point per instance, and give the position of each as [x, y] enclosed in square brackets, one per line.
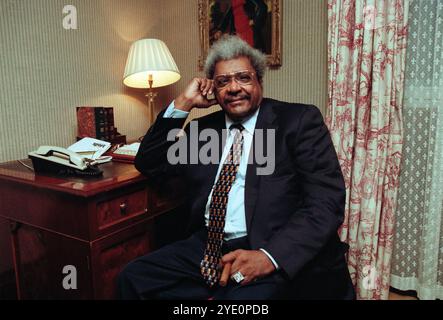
[311, 225]
[151, 159]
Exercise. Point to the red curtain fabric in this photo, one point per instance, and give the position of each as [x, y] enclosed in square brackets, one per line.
[366, 52]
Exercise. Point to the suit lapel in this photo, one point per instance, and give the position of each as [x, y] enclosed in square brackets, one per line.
[210, 170]
[265, 120]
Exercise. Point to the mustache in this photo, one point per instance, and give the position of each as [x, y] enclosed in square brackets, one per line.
[237, 97]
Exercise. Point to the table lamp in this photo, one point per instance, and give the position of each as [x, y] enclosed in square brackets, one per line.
[150, 65]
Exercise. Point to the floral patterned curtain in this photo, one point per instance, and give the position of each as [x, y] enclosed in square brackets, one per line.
[366, 52]
[417, 262]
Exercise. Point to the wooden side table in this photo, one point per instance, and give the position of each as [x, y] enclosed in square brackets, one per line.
[96, 225]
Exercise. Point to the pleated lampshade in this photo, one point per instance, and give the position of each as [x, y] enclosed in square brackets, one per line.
[150, 59]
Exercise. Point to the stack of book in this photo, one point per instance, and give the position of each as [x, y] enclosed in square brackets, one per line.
[98, 123]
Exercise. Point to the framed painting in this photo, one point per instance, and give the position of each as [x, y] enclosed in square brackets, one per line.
[258, 22]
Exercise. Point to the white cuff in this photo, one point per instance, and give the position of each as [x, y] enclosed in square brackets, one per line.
[270, 258]
[171, 112]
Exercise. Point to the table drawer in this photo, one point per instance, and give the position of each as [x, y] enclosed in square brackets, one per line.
[121, 208]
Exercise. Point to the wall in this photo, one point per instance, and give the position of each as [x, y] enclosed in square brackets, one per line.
[47, 71]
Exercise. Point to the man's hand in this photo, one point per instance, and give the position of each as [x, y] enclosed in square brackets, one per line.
[253, 264]
[196, 95]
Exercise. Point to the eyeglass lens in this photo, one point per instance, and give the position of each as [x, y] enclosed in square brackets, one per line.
[241, 77]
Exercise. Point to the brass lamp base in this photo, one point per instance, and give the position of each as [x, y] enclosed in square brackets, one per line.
[151, 96]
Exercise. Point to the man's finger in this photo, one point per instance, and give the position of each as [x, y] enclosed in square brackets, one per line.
[211, 88]
[229, 257]
[204, 86]
[207, 88]
[245, 281]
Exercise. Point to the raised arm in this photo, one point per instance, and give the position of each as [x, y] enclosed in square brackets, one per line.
[151, 159]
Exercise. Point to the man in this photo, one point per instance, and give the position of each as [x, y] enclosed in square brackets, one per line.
[272, 232]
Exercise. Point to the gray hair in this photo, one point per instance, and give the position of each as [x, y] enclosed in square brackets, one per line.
[231, 47]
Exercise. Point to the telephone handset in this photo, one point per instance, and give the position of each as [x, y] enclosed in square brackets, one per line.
[62, 161]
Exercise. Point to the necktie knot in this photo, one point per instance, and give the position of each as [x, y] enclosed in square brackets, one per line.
[237, 126]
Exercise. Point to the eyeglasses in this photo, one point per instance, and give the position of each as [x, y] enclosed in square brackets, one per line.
[243, 78]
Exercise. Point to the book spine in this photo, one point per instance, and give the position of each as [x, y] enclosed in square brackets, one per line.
[86, 122]
[100, 123]
[96, 122]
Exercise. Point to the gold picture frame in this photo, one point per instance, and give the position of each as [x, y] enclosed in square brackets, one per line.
[215, 18]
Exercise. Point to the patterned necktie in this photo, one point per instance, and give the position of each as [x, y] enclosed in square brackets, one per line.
[210, 264]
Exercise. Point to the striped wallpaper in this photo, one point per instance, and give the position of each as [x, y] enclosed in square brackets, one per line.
[47, 71]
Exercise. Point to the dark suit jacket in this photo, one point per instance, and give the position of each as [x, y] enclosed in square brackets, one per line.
[293, 213]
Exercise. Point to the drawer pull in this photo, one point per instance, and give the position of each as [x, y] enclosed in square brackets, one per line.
[123, 207]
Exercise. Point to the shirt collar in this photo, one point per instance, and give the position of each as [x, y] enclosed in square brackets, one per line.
[248, 124]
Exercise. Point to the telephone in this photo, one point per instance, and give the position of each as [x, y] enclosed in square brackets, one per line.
[61, 161]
